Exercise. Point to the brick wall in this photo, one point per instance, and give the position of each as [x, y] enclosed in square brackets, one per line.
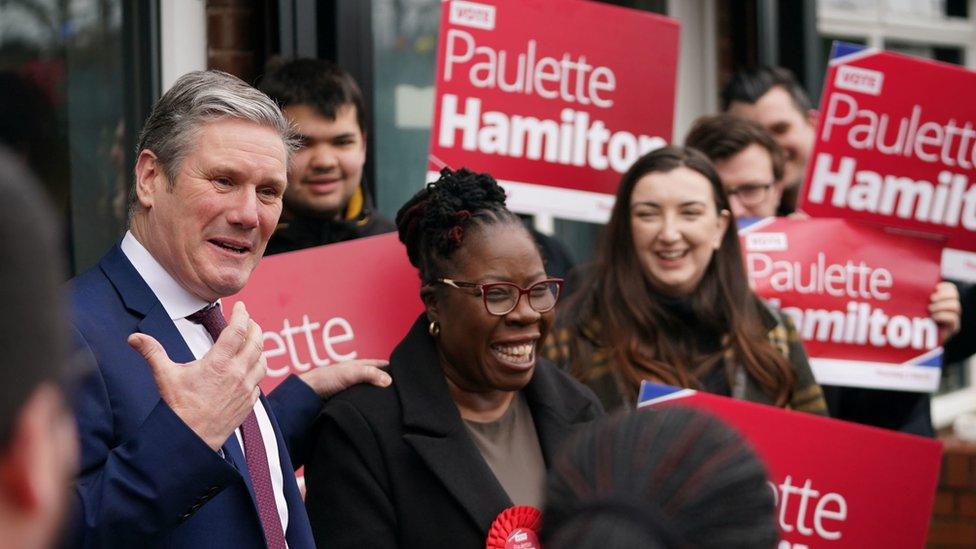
[234, 35]
[954, 516]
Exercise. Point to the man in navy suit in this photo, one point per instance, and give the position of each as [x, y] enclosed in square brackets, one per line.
[178, 446]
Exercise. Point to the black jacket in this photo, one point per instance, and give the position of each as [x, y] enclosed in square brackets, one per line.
[306, 232]
[396, 467]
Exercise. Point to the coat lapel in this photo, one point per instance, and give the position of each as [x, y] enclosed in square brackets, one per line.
[235, 455]
[556, 412]
[140, 299]
[434, 429]
[299, 532]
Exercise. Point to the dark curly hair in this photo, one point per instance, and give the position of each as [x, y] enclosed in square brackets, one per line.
[664, 479]
[433, 223]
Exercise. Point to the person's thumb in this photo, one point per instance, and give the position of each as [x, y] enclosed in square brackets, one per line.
[151, 350]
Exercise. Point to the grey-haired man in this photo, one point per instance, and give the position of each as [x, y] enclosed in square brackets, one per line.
[178, 446]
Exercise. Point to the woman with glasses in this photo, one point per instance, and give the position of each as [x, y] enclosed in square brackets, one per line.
[473, 417]
[668, 299]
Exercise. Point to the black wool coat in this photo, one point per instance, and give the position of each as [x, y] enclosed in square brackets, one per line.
[395, 467]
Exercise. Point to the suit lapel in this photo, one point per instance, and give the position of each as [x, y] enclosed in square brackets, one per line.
[299, 532]
[234, 454]
[159, 325]
[140, 299]
[434, 429]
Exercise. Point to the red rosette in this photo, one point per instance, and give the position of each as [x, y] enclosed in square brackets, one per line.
[515, 528]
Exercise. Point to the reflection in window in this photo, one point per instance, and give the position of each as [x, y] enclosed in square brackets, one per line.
[405, 57]
[65, 59]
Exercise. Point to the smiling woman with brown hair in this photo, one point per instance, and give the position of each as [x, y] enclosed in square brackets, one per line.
[668, 299]
[473, 418]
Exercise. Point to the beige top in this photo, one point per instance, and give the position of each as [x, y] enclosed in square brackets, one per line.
[511, 448]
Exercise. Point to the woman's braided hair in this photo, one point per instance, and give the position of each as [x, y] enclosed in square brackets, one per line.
[662, 478]
[433, 224]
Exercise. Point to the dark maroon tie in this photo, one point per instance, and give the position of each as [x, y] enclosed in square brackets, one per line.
[255, 455]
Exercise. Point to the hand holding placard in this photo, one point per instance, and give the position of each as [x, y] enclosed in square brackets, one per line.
[863, 312]
[946, 310]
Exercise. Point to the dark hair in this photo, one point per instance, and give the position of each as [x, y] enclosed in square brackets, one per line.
[317, 83]
[664, 478]
[643, 337]
[32, 328]
[433, 223]
[28, 125]
[723, 136]
[749, 85]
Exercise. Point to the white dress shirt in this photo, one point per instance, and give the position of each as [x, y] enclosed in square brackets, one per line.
[179, 304]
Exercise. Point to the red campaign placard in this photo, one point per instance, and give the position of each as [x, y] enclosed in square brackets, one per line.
[554, 98]
[332, 303]
[858, 295]
[896, 145]
[836, 484]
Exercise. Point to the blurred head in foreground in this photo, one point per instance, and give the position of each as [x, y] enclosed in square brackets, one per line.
[666, 478]
[38, 448]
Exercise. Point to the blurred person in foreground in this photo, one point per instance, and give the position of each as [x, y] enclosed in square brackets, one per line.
[179, 447]
[473, 417]
[772, 97]
[668, 299]
[659, 479]
[38, 448]
[326, 200]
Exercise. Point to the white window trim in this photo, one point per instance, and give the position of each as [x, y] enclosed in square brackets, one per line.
[183, 39]
[876, 26]
[697, 88]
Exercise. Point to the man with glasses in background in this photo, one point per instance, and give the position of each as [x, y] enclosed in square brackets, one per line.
[772, 97]
[751, 165]
[747, 159]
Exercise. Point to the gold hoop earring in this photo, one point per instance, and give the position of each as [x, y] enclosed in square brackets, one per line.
[434, 328]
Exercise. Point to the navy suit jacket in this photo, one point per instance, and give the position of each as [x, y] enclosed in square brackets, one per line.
[146, 479]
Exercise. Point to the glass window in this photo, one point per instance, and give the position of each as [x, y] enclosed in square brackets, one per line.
[404, 61]
[850, 6]
[945, 54]
[65, 95]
